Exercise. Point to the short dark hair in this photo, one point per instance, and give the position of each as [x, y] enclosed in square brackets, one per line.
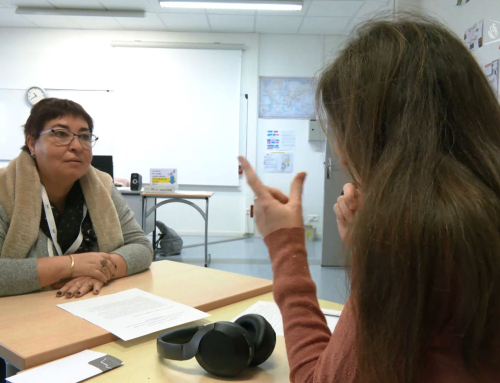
[50, 109]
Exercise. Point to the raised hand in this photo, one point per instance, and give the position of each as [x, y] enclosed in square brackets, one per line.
[273, 209]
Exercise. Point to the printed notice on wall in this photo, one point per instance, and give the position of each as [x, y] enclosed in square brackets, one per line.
[280, 140]
[473, 37]
[288, 140]
[491, 72]
[278, 163]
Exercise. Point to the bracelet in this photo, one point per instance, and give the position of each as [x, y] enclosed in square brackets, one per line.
[72, 265]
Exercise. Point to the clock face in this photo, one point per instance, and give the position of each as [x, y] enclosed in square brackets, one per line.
[35, 94]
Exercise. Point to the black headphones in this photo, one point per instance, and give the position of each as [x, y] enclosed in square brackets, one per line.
[221, 348]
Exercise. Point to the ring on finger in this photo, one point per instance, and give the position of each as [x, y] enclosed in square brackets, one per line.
[103, 262]
[104, 269]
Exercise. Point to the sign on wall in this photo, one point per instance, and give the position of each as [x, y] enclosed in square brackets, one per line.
[473, 36]
[491, 72]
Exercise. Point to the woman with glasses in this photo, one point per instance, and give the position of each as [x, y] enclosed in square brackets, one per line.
[62, 222]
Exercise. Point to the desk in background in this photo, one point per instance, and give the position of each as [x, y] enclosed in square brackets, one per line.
[178, 197]
[142, 363]
[33, 330]
[139, 201]
[135, 202]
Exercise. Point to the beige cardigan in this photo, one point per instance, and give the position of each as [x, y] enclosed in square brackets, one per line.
[20, 197]
[22, 241]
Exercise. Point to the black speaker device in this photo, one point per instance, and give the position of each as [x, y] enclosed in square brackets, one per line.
[135, 181]
[221, 348]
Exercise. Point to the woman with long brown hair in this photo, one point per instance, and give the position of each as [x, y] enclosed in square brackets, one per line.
[417, 126]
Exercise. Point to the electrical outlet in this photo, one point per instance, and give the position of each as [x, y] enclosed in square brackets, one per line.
[312, 218]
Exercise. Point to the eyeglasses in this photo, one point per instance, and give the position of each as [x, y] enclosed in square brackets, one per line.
[66, 137]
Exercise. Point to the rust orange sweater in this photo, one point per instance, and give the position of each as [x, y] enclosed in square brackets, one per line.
[314, 353]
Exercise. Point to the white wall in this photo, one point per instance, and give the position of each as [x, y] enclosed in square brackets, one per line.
[74, 59]
[460, 18]
[296, 56]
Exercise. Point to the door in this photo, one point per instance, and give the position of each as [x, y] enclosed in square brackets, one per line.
[332, 252]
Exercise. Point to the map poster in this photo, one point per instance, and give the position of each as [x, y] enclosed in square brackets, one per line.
[292, 97]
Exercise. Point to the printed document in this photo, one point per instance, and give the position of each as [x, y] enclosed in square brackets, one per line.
[133, 313]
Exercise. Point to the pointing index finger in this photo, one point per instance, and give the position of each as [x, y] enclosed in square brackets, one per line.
[253, 181]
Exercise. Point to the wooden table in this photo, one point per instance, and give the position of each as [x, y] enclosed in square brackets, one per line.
[142, 363]
[33, 330]
[179, 197]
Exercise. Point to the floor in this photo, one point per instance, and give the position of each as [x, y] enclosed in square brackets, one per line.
[250, 257]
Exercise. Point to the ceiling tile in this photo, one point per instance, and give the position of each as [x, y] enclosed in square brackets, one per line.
[44, 21]
[324, 25]
[8, 18]
[278, 24]
[334, 8]
[185, 22]
[372, 8]
[132, 5]
[150, 22]
[81, 4]
[179, 10]
[86, 22]
[26, 3]
[231, 23]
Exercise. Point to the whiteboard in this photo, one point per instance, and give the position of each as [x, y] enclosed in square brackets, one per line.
[14, 111]
[180, 109]
[169, 108]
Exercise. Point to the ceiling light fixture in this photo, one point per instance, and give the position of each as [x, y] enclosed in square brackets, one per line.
[175, 45]
[77, 12]
[261, 5]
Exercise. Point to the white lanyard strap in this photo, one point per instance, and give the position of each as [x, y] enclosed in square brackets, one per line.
[53, 228]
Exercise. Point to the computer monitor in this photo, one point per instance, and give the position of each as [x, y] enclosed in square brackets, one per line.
[104, 164]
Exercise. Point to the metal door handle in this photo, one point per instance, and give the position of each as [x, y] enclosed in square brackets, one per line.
[328, 168]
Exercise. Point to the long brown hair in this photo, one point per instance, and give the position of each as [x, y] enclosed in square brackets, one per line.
[410, 108]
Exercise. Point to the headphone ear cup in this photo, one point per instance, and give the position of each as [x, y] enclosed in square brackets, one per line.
[262, 334]
[226, 350]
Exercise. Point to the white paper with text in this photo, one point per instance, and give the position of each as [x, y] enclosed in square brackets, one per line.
[133, 313]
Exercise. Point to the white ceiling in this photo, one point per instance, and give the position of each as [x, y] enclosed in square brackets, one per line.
[329, 17]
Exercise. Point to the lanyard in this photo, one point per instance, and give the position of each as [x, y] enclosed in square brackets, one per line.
[53, 229]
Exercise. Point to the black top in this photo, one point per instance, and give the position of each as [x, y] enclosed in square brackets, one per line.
[68, 223]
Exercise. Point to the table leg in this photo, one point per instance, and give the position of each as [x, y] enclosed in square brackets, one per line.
[207, 261]
[11, 370]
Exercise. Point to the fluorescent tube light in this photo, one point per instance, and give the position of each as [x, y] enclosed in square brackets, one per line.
[175, 45]
[272, 5]
[77, 12]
